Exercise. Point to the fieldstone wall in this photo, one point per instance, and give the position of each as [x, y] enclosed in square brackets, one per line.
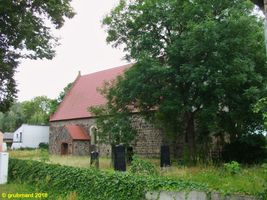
[81, 148]
[57, 136]
[147, 142]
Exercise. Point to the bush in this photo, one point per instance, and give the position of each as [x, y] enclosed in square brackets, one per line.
[26, 148]
[56, 179]
[142, 167]
[232, 167]
[248, 149]
[43, 145]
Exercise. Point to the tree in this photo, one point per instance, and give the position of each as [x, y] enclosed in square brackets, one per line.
[113, 127]
[38, 110]
[261, 107]
[63, 93]
[26, 33]
[200, 65]
[14, 118]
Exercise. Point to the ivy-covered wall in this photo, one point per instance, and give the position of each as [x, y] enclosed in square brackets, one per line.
[90, 183]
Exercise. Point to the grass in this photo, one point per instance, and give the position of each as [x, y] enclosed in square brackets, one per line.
[249, 180]
[16, 188]
[79, 161]
[75, 161]
[8, 190]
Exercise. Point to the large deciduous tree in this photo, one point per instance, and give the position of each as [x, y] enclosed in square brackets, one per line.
[200, 65]
[36, 112]
[25, 32]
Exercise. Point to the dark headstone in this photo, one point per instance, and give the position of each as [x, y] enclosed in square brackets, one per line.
[119, 158]
[94, 159]
[165, 160]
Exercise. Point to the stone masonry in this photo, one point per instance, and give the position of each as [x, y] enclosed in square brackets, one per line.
[60, 136]
[147, 142]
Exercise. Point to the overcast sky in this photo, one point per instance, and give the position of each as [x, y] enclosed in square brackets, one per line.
[83, 48]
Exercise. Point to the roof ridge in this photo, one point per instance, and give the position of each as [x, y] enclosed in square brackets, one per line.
[126, 65]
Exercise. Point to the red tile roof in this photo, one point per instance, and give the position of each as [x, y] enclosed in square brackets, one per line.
[84, 94]
[76, 132]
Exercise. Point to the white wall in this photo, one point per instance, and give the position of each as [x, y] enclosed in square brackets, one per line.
[30, 136]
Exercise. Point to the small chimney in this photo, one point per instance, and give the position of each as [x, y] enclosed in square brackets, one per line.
[79, 73]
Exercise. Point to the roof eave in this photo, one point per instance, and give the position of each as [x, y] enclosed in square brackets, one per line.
[70, 119]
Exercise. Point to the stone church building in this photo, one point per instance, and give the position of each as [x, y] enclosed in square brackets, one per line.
[72, 127]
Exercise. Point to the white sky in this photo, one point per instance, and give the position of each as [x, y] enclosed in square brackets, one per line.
[83, 47]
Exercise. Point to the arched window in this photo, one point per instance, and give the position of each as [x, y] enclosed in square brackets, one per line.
[93, 135]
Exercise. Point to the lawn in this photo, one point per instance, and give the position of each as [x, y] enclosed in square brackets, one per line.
[249, 180]
[10, 190]
[42, 155]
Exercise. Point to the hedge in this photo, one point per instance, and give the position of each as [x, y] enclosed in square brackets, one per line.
[92, 183]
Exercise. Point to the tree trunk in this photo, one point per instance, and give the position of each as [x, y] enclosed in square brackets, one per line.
[190, 138]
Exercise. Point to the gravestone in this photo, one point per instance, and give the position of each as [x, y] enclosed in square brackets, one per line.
[94, 160]
[119, 158]
[165, 160]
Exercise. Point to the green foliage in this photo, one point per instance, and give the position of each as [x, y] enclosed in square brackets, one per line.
[16, 188]
[44, 155]
[251, 179]
[91, 183]
[264, 193]
[113, 126]
[142, 167]
[261, 107]
[247, 149]
[232, 167]
[264, 166]
[64, 92]
[25, 33]
[36, 111]
[11, 120]
[197, 62]
[43, 145]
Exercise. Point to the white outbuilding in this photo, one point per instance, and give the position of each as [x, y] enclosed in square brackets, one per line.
[30, 136]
